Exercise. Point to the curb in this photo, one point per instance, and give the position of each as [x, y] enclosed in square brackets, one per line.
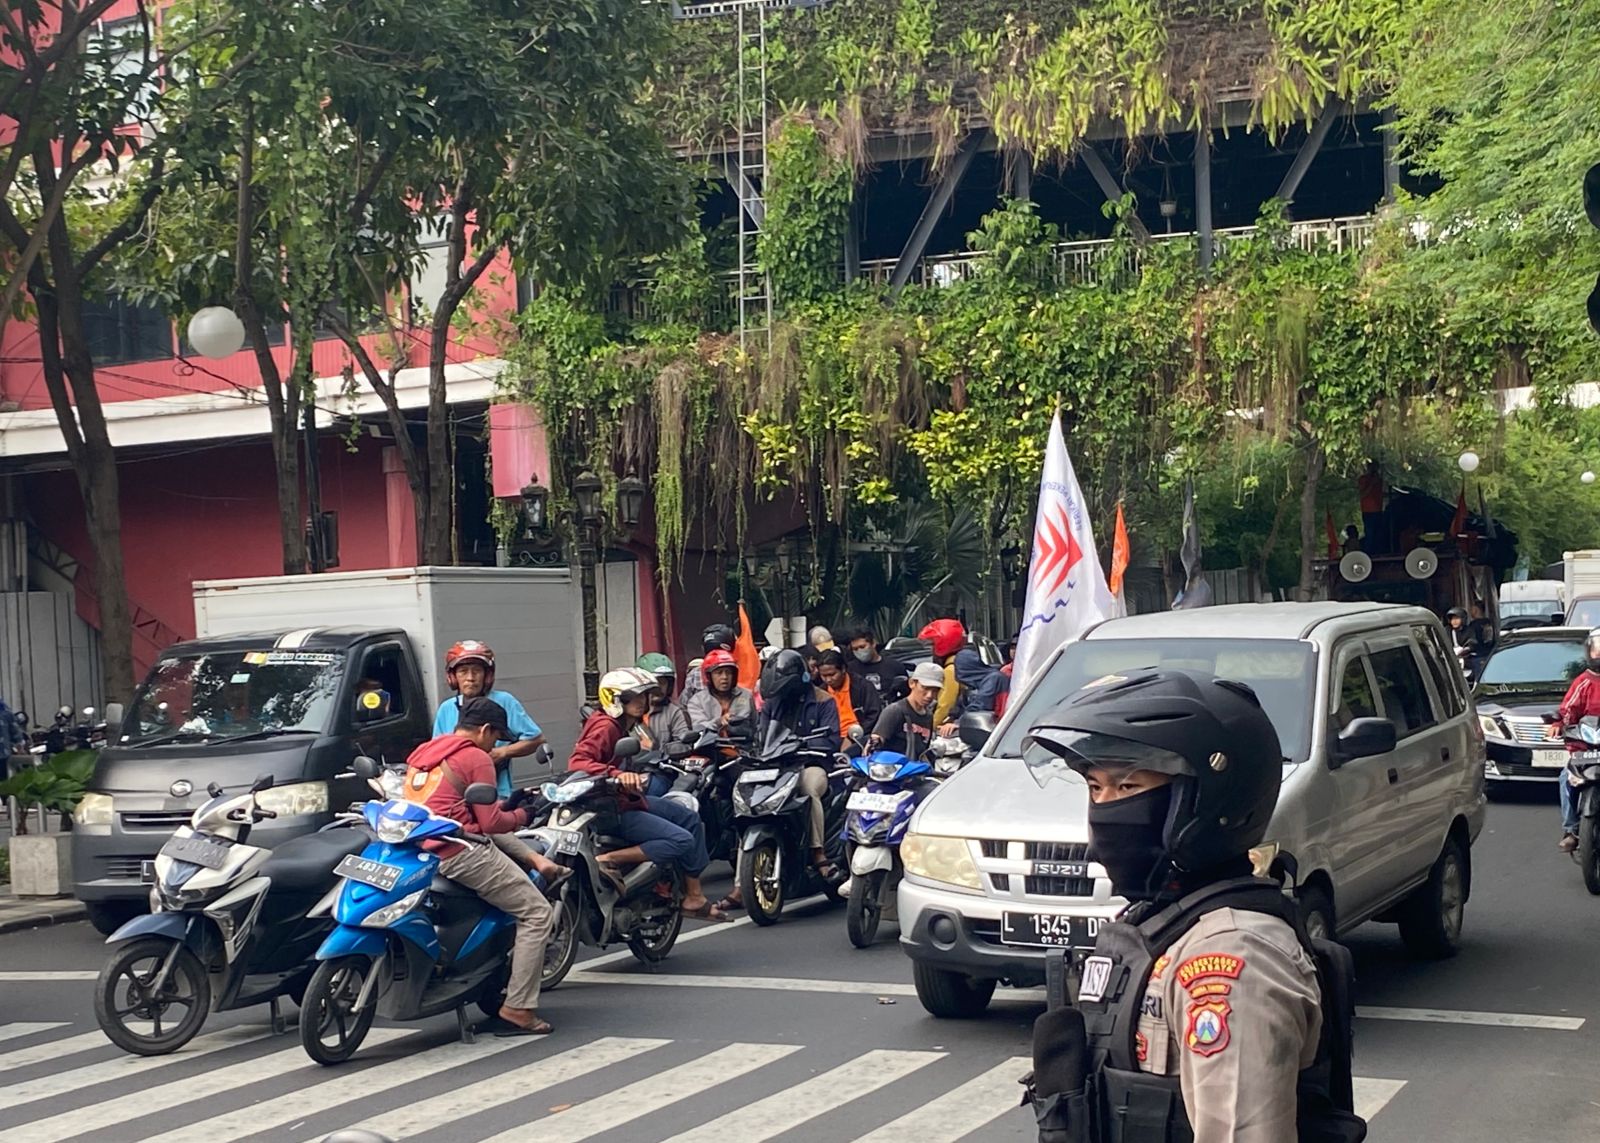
[21, 921]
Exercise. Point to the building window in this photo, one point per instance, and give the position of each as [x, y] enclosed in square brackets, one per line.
[429, 277]
[119, 332]
[126, 60]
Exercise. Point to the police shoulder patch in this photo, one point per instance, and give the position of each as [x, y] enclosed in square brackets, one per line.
[1210, 965]
[1160, 966]
[1206, 1033]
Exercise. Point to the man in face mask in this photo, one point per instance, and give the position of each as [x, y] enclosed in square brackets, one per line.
[883, 673]
[1207, 987]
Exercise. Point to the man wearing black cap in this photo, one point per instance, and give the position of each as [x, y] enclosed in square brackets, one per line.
[437, 775]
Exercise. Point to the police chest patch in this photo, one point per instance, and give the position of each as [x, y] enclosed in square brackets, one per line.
[1207, 1030]
[1160, 966]
[1096, 975]
[1209, 965]
[1152, 1006]
[1141, 1047]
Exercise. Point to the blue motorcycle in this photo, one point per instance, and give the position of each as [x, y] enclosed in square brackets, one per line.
[409, 943]
[878, 813]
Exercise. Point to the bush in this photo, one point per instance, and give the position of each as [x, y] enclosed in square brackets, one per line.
[57, 784]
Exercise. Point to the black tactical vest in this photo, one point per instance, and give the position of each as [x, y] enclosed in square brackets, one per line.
[1131, 1106]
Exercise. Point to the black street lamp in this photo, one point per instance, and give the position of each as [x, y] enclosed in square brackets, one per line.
[535, 505]
[785, 558]
[752, 564]
[630, 501]
[586, 491]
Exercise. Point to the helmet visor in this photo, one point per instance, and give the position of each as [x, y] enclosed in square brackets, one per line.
[1051, 752]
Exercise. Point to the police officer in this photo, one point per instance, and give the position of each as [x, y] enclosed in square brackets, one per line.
[1205, 1014]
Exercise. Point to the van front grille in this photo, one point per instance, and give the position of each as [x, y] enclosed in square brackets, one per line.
[1057, 851]
[156, 819]
[122, 868]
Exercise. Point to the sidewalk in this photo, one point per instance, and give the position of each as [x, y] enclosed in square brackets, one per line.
[18, 913]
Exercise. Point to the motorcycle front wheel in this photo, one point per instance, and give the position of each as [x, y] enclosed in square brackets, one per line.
[561, 950]
[330, 1028]
[760, 885]
[137, 1017]
[1588, 852]
[865, 908]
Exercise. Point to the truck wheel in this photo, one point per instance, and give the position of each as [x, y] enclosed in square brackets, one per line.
[950, 995]
[1588, 852]
[109, 916]
[1431, 918]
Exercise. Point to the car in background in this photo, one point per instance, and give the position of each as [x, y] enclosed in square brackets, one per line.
[1532, 603]
[1383, 793]
[911, 651]
[1524, 679]
[1584, 611]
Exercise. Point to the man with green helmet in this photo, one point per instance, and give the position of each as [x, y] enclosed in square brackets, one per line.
[668, 720]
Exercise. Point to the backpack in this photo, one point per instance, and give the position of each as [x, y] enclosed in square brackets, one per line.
[420, 785]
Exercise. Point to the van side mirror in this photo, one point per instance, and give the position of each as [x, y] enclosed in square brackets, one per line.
[364, 767]
[264, 782]
[976, 727]
[113, 720]
[480, 794]
[1363, 738]
[626, 748]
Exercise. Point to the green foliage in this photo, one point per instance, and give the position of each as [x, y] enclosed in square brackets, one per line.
[57, 784]
[808, 208]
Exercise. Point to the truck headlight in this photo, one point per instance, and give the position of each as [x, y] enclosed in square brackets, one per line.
[295, 798]
[1491, 726]
[944, 859]
[93, 810]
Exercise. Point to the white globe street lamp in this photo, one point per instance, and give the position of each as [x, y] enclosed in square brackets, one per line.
[1587, 478]
[216, 331]
[1468, 462]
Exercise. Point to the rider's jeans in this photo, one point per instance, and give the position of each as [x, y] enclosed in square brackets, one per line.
[488, 872]
[1569, 806]
[670, 834]
[814, 784]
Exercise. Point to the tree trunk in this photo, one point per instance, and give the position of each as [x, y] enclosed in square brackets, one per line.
[1316, 462]
[437, 517]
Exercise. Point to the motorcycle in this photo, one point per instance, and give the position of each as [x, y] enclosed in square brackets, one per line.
[701, 770]
[592, 910]
[888, 791]
[1582, 773]
[409, 943]
[775, 819]
[229, 926]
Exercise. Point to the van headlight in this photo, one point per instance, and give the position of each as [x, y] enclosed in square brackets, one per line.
[389, 914]
[943, 859]
[1262, 857]
[295, 798]
[93, 810]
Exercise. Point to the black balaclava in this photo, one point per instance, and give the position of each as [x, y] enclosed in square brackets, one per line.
[1128, 837]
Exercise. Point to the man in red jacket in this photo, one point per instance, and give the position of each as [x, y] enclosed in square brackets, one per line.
[463, 756]
[1583, 699]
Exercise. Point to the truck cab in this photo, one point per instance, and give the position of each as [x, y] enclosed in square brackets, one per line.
[298, 705]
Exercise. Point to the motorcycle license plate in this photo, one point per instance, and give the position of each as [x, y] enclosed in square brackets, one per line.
[1046, 930]
[378, 874]
[768, 775]
[1554, 759]
[565, 840]
[874, 803]
[212, 853]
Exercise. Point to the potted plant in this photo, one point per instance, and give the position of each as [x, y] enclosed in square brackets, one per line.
[41, 863]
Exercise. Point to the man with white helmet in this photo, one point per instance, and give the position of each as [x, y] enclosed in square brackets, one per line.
[658, 830]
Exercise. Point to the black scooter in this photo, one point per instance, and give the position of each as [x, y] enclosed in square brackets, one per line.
[775, 819]
[1582, 773]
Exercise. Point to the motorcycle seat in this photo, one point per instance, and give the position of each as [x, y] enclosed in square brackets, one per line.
[307, 862]
[444, 887]
[608, 842]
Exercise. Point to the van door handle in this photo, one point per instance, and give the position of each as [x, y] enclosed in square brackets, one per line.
[1394, 775]
[1444, 753]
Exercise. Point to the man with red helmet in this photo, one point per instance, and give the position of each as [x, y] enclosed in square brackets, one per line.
[722, 704]
[947, 637]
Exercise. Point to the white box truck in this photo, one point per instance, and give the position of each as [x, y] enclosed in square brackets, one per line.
[525, 614]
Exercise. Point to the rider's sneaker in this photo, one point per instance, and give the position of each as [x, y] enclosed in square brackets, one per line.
[1569, 842]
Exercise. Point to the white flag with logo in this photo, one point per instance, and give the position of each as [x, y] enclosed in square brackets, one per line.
[1067, 590]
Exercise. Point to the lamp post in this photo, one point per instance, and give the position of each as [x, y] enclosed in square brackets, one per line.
[586, 492]
[535, 506]
[630, 501]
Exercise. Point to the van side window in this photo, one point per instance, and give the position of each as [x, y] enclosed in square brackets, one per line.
[1400, 685]
[382, 677]
[1354, 698]
[1445, 669]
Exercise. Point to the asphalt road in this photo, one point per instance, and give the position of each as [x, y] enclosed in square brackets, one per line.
[790, 1034]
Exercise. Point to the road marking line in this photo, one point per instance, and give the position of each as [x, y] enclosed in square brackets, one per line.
[457, 1106]
[625, 1104]
[313, 1099]
[958, 1113]
[794, 1106]
[1478, 1017]
[696, 934]
[51, 977]
[118, 1067]
[88, 1119]
[759, 983]
[1373, 1095]
[23, 1028]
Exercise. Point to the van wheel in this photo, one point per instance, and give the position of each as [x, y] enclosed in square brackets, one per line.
[950, 995]
[109, 916]
[1316, 911]
[1431, 918]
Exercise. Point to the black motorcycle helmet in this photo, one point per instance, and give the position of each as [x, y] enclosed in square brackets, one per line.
[784, 678]
[717, 635]
[1591, 650]
[1209, 734]
[1457, 613]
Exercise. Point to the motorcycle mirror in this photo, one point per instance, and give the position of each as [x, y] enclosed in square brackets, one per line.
[214, 790]
[88, 712]
[113, 719]
[857, 734]
[262, 783]
[480, 794]
[679, 750]
[627, 748]
[364, 767]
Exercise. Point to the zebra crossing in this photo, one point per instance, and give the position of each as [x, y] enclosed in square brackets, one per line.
[240, 1083]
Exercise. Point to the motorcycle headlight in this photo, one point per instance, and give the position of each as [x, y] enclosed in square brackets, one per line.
[394, 829]
[93, 810]
[389, 914]
[295, 798]
[943, 859]
[883, 771]
[1491, 726]
[780, 793]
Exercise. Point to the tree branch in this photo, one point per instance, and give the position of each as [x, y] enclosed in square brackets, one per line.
[131, 222]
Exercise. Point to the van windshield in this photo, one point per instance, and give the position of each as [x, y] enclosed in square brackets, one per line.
[1282, 672]
[229, 694]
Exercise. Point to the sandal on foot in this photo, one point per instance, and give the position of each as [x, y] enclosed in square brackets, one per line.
[554, 882]
[709, 912]
[539, 1027]
[728, 905]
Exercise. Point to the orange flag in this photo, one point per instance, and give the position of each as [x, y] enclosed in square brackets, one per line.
[744, 651]
[1119, 555]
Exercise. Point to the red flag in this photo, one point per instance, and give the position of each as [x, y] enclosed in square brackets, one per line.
[1459, 524]
[1333, 536]
[744, 652]
[1119, 553]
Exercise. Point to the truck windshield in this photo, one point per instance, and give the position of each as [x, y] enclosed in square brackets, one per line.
[1282, 672]
[228, 694]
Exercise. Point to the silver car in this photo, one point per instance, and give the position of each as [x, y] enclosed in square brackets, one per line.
[1382, 797]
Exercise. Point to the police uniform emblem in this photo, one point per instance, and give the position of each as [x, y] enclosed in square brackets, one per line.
[1207, 1032]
